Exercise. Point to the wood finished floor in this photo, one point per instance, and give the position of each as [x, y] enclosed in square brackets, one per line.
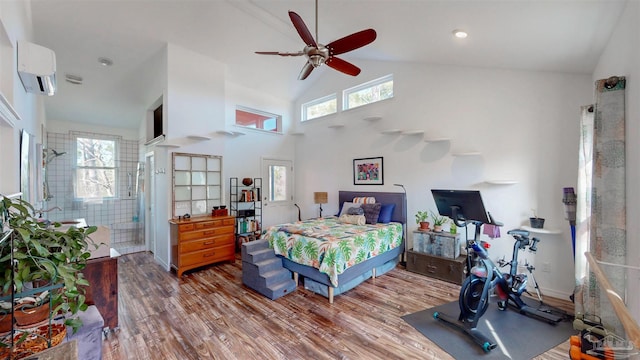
[210, 314]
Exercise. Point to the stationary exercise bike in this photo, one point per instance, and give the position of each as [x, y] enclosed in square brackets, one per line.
[485, 276]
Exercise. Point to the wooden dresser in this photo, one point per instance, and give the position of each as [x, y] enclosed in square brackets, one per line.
[201, 241]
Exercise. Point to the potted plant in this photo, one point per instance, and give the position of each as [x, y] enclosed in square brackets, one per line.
[421, 219]
[43, 256]
[438, 221]
[535, 221]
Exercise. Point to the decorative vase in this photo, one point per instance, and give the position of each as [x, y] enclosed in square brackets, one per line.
[247, 181]
[437, 228]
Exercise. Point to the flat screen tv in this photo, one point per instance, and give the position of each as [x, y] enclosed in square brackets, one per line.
[461, 205]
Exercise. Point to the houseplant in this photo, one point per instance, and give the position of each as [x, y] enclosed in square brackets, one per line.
[44, 256]
[438, 221]
[421, 219]
[535, 221]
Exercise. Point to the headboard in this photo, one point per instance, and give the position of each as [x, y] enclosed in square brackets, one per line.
[399, 213]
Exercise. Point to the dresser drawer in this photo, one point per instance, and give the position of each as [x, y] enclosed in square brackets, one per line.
[451, 270]
[214, 223]
[205, 233]
[208, 256]
[208, 243]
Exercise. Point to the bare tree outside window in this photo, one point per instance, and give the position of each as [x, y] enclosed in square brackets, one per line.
[96, 168]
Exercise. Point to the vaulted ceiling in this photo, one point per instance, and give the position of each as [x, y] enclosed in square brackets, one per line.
[558, 36]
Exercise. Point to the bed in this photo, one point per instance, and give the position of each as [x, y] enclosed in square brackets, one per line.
[329, 255]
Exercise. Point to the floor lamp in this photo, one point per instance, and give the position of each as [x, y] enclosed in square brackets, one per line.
[403, 261]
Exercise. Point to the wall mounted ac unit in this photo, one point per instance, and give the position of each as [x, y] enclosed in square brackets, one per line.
[37, 68]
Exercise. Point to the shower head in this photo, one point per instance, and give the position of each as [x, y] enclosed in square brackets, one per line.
[50, 154]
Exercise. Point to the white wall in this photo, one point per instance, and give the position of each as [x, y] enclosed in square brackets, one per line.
[622, 58]
[16, 25]
[199, 101]
[525, 124]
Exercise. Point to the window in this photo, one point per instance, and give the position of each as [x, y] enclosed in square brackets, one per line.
[96, 173]
[277, 183]
[257, 119]
[320, 107]
[197, 183]
[367, 93]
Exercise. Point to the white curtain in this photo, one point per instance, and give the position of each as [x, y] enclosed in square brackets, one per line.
[601, 209]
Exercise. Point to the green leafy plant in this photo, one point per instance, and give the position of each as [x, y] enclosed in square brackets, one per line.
[42, 253]
[421, 216]
[438, 220]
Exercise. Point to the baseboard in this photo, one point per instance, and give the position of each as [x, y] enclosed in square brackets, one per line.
[552, 293]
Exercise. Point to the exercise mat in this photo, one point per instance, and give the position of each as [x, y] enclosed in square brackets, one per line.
[518, 336]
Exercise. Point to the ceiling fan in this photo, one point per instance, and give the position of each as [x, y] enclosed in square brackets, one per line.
[318, 54]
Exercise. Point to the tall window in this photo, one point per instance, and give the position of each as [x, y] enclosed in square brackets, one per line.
[320, 107]
[96, 173]
[367, 93]
[257, 119]
[277, 183]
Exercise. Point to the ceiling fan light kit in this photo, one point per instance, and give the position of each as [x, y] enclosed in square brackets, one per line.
[318, 54]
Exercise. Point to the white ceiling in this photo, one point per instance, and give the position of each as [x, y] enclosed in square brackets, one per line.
[559, 35]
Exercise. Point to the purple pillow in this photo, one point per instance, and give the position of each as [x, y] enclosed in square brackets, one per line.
[385, 213]
[371, 212]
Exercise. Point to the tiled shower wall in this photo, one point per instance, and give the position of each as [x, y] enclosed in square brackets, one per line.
[121, 215]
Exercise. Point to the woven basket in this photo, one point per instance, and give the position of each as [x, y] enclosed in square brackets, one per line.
[35, 341]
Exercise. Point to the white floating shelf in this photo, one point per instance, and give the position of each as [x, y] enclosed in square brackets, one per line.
[541, 231]
[198, 137]
[470, 153]
[372, 118]
[336, 126]
[391, 131]
[238, 133]
[501, 182]
[225, 132]
[437, 139]
[168, 145]
[413, 132]
[296, 133]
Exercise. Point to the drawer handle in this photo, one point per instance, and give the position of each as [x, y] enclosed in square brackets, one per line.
[209, 242]
[211, 232]
[209, 255]
[431, 268]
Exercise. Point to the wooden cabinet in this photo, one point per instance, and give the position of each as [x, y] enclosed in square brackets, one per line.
[451, 270]
[200, 241]
[102, 274]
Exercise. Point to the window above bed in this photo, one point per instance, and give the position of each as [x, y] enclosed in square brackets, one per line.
[320, 107]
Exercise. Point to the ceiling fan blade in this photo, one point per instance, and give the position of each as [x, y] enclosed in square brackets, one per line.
[299, 53]
[342, 66]
[302, 29]
[352, 42]
[306, 70]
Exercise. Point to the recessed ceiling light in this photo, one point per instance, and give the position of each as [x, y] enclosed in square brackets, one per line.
[73, 79]
[105, 61]
[460, 34]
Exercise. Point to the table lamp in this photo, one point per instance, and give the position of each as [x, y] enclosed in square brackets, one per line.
[320, 198]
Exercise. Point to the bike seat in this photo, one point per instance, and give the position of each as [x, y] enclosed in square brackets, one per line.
[518, 232]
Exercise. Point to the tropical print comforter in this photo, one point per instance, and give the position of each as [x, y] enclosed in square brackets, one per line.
[331, 246]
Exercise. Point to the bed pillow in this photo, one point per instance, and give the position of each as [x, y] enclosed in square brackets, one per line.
[385, 213]
[346, 206]
[352, 219]
[364, 200]
[371, 212]
[355, 211]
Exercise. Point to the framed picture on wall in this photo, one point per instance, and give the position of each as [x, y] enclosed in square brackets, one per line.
[368, 171]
